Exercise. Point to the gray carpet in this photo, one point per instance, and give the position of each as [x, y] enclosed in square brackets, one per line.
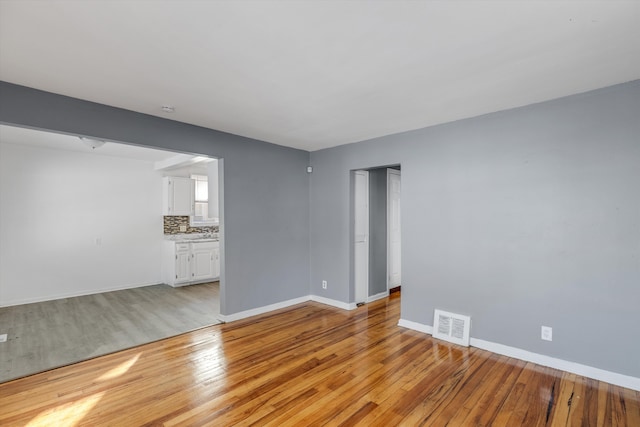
[46, 335]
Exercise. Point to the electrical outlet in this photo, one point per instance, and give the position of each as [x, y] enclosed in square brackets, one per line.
[183, 228]
[98, 241]
[3, 337]
[324, 284]
[547, 333]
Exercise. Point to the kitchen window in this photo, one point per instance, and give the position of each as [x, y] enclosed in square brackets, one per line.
[201, 202]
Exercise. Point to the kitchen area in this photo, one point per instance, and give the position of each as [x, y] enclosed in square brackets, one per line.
[191, 250]
[103, 247]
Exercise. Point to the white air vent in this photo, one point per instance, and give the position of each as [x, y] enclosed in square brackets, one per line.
[451, 327]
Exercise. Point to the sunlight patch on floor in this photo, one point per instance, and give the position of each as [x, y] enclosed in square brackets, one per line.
[69, 414]
[120, 369]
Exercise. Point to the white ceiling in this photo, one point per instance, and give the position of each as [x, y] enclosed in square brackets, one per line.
[50, 140]
[316, 74]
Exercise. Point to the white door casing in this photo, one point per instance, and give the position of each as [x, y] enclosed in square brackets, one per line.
[361, 235]
[393, 229]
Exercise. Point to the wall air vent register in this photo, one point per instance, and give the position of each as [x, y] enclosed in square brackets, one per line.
[451, 327]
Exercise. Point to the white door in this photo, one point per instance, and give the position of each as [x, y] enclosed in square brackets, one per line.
[361, 235]
[393, 228]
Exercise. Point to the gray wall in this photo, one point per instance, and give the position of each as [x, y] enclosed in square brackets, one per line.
[266, 218]
[377, 231]
[522, 218]
[519, 219]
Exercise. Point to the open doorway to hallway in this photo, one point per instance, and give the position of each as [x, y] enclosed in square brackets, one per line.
[376, 202]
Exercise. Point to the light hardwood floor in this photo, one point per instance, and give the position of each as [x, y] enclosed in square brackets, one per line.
[55, 333]
[312, 365]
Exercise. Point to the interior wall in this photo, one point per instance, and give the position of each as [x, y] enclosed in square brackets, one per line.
[377, 231]
[54, 204]
[521, 218]
[265, 231]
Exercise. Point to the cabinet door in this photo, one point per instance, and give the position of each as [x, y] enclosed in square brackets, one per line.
[183, 273]
[216, 263]
[180, 196]
[202, 263]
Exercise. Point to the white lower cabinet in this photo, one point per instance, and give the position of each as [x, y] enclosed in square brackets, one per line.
[191, 262]
[202, 261]
[182, 263]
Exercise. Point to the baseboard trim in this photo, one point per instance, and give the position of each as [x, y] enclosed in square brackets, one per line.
[261, 310]
[376, 297]
[74, 294]
[614, 378]
[416, 326]
[267, 308]
[563, 365]
[333, 302]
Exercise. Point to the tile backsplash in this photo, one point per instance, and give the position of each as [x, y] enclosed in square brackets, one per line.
[172, 226]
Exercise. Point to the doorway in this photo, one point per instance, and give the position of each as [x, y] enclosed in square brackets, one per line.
[376, 240]
[97, 234]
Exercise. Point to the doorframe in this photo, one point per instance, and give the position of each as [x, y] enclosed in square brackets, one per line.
[222, 292]
[360, 287]
[391, 171]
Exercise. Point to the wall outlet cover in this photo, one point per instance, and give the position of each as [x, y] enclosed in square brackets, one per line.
[183, 228]
[3, 337]
[546, 333]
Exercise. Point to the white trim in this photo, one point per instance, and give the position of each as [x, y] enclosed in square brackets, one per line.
[378, 296]
[389, 206]
[614, 378]
[333, 302]
[563, 365]
[267, 308]
[74, 294]
[361, 242]
[261, 310]
[415, 326]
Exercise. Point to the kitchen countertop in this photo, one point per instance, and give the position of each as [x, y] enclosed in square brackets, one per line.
[193, 237]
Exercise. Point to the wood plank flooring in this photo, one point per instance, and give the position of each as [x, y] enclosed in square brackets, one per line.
[50, 334]
[312, 365]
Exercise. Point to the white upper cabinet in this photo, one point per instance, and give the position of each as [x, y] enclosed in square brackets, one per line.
[177, 196]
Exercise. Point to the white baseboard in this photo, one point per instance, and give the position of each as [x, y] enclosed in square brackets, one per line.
[563, 365]
[615, 378]
[73, 294]
[261, 310]
[283, 304]
[333, 302]
[376, 297]
[416, 326]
